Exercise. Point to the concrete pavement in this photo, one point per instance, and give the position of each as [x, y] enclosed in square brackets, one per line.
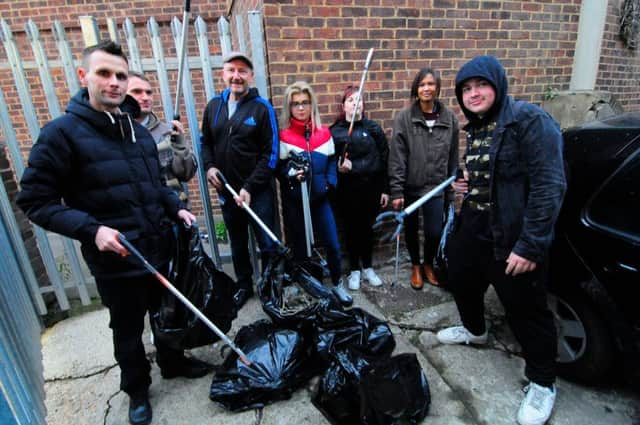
[468, 385]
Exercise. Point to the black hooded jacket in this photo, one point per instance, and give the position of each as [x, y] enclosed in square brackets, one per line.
[244, 148]
[91, 168]
[527, 182]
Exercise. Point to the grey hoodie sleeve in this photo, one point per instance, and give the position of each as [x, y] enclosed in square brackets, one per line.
[183, 162]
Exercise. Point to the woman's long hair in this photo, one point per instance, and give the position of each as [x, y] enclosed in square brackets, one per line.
[296, 88]
[420, 76]
[350, 90]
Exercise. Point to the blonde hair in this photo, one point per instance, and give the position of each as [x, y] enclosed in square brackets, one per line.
[297, 88]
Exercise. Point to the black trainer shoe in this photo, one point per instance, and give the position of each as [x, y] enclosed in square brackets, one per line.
[343, 296]
[140, 409]
[241, 296]
[188, 367]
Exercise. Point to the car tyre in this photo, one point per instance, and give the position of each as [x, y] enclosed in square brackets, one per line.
[585, 347]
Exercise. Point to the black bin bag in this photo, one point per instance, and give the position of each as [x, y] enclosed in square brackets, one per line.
[355, 390]
[395, 391]
[280, 365]
[338, 329]
[337, 395]
[291, 296]
[195, 275]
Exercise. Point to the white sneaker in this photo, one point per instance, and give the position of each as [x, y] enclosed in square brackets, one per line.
[371, 277]
[460, 335]
[537, 405]
[353, 281]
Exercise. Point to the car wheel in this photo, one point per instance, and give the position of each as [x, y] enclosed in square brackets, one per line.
[585, 348]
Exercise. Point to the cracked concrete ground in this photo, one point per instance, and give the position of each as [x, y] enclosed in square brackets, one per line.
[469, 385]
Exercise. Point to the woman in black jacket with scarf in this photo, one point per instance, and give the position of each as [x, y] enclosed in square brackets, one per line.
[362, 183]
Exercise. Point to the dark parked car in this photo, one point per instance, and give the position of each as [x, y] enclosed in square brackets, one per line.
[595, 258]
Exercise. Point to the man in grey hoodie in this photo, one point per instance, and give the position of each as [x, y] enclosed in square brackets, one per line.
[513, 189]
[176, 157]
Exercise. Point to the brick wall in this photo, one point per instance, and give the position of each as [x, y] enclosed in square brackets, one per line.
[327, 45]
[619, 70]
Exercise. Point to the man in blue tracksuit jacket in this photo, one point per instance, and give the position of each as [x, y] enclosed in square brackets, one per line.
[513, 191]
[93, 173]
[240, 139]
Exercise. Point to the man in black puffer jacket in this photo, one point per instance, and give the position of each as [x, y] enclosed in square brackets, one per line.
[95, 172]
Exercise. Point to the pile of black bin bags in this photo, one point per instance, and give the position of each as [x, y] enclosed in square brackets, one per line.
[360, 382]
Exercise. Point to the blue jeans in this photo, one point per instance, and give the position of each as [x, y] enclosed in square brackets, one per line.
[324, 225]
[237, 221]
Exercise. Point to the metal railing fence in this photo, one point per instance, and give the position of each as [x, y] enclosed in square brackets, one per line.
[76, 277]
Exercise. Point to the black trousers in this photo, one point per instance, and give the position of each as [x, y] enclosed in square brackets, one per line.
[237, 221]
[359, 203]
[432, 223]
[128, 300]
[472, 267]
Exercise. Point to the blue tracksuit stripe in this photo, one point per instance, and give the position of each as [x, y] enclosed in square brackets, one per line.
[275, 139]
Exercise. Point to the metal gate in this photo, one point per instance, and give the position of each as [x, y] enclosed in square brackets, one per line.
[75, 279]
[21, 379]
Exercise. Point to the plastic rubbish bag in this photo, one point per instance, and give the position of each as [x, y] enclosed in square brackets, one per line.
[195, 275]
[280, 364]
[395, 391]
[355, 390]
[441, 260]
[337, 395]
[355, 329]
[290, 295]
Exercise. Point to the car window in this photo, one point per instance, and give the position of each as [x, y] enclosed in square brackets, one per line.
[615, 207]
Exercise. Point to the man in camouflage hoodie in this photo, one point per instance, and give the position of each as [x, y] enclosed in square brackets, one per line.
[176, 158]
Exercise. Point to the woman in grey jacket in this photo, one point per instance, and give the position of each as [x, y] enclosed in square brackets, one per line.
[423, 152]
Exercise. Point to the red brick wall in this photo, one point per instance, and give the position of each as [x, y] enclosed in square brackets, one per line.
[619, 66]
[326, 45]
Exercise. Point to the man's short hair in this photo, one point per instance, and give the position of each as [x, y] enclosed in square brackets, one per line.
[107, 46]
[139, 75]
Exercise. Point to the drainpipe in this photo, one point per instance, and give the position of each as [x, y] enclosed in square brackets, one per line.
[586, 60]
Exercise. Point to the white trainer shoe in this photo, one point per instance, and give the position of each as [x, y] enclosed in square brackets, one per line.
[371, 277]
[460, 335]
[537, 405]
[353, 281]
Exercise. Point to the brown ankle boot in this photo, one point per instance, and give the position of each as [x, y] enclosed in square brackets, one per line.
[416, 278]
[430, 275]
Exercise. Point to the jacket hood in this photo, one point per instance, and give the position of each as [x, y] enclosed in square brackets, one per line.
[153, 122]
[79, 105]
[490, 69]
[106, 122]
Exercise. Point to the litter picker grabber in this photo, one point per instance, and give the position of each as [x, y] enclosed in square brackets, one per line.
[165, 282]
[253, 215]
[299, 163]
[182, 58]
[360, 89]
[401, 215]
[344, 154]
[397, 262]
